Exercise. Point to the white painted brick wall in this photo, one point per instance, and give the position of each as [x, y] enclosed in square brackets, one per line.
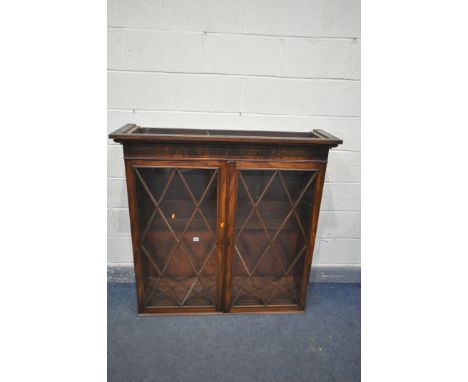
[343, 167]
[119, 250]
[256, 55]
[115, 164]
[117, 193]
[137, 13]
[341, 197]
[315, 18]
[240, 64]
[129, 90]
[110, 223]
[205, 15]
[338, 251]
[121, 222]
[155, 51]
[339, 225]
[320, 58]
[301, 97]
[205, 93]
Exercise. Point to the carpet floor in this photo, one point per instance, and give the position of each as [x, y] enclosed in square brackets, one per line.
[319, 346]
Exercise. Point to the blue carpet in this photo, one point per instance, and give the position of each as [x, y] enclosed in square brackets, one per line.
[319, 346]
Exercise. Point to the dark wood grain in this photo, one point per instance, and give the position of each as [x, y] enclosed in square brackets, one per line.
[223, 221]
[142, 134]
[312, 234]
[222, 228]
[230, 219]
[132, 208]
[224, 151]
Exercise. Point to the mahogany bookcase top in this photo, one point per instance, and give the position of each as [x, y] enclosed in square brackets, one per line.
[135, 133]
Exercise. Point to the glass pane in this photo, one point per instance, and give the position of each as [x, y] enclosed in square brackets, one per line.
[272, 231]
[177, 215]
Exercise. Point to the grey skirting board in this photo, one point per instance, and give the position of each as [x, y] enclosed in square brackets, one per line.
[319, 273]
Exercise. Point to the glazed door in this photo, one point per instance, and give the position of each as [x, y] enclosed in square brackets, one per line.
[272, 232]
[176, 213]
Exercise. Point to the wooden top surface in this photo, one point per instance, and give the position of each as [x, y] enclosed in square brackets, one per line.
[131, 132]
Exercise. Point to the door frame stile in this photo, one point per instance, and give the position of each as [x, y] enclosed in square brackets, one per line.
[230, 231]
[221, 227]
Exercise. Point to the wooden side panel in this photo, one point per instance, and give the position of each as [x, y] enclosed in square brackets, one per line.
[132, 207]
[313, 234]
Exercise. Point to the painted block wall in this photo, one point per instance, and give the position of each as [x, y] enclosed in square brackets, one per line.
[290, 65]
